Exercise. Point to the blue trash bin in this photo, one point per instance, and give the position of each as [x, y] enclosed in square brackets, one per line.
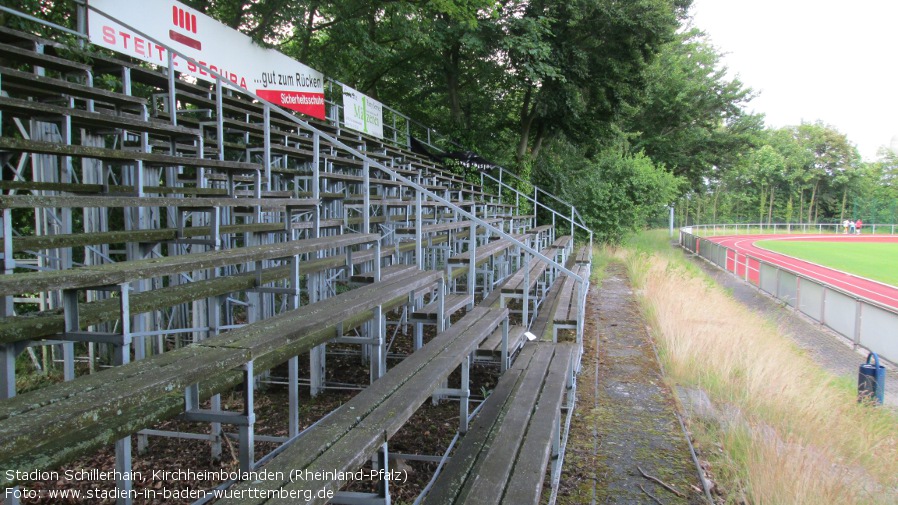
[871, 380]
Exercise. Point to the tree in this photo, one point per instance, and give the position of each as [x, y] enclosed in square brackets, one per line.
[579, 65]
[768, 167]
[826, 158]
[693, 118]
[617, 193]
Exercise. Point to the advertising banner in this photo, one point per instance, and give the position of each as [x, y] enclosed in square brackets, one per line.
[362, 113]
[266, 72]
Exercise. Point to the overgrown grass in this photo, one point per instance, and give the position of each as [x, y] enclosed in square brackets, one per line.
[788, 432]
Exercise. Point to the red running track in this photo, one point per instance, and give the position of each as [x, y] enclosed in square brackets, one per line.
[741, 247]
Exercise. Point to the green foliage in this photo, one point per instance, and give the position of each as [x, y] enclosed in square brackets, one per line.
[805, 173]
[693, 117]
[616, 192]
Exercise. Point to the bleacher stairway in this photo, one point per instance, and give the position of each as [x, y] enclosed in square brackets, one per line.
[166, 241]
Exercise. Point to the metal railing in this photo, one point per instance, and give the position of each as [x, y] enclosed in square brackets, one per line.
[778, 228]
[575, 219]
[865, 322]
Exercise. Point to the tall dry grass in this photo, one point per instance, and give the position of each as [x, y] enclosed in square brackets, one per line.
[789, 433]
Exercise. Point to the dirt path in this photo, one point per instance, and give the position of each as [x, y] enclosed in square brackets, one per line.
[625, 416]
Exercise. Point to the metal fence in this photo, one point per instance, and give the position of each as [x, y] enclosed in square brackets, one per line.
[865, 322]
[785, 228]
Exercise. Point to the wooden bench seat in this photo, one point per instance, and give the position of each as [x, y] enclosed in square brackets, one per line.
[436, 228]
[44, 428]
[584, 255]
[567, 309]
[561, 248]
[120, 156]
[38, 242]
[37, 85]
[42, 325]
[140, 73]
[563, 242]
[540, 229]
[286, 335]
[49, 202]
[503, 457]
[11, 36]
[385, 273]
[518, 283]
[117, 273]
[483, 253]
[94, 189]
[37, 59]
[355, 431]
[494, 349]
[431, 312]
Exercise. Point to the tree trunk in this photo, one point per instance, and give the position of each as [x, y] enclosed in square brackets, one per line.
[812, 202]
[528, 114]
[844, 201]
[307, 36]
[540, 139]
[762, 205]
[451, 67]
[770, 210]
[698, 210]
[789, 207]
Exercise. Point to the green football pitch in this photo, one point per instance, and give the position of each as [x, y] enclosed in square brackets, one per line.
[877, 261]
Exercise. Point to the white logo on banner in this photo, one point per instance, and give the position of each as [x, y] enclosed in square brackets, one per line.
[266, 72]
[362, 113]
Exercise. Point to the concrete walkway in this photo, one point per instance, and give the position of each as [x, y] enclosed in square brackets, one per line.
[625, 422]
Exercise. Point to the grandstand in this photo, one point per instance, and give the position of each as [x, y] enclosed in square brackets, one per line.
[167, 240]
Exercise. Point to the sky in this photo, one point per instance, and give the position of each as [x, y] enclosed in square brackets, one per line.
[828, 60]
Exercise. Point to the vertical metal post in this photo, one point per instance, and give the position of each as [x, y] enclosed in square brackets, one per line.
[293, 394]
[419, 222]
[671, 220]
[472, 265]
[442, 319]
[503, 357]
[8, 353]
[464, 394]
[525, 317]
[378, 352]
[81, 21]
[123, 445]
[383, 463]
[583, 289]
[172, 99]
[366, 197]
[247, 432]
[572, 221]
[219, 118]
[9, 262]
[316, 165]
[535, 202]
[70, 324]
[266, 149]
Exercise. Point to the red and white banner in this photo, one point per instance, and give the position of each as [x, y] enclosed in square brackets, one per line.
[266, 72]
